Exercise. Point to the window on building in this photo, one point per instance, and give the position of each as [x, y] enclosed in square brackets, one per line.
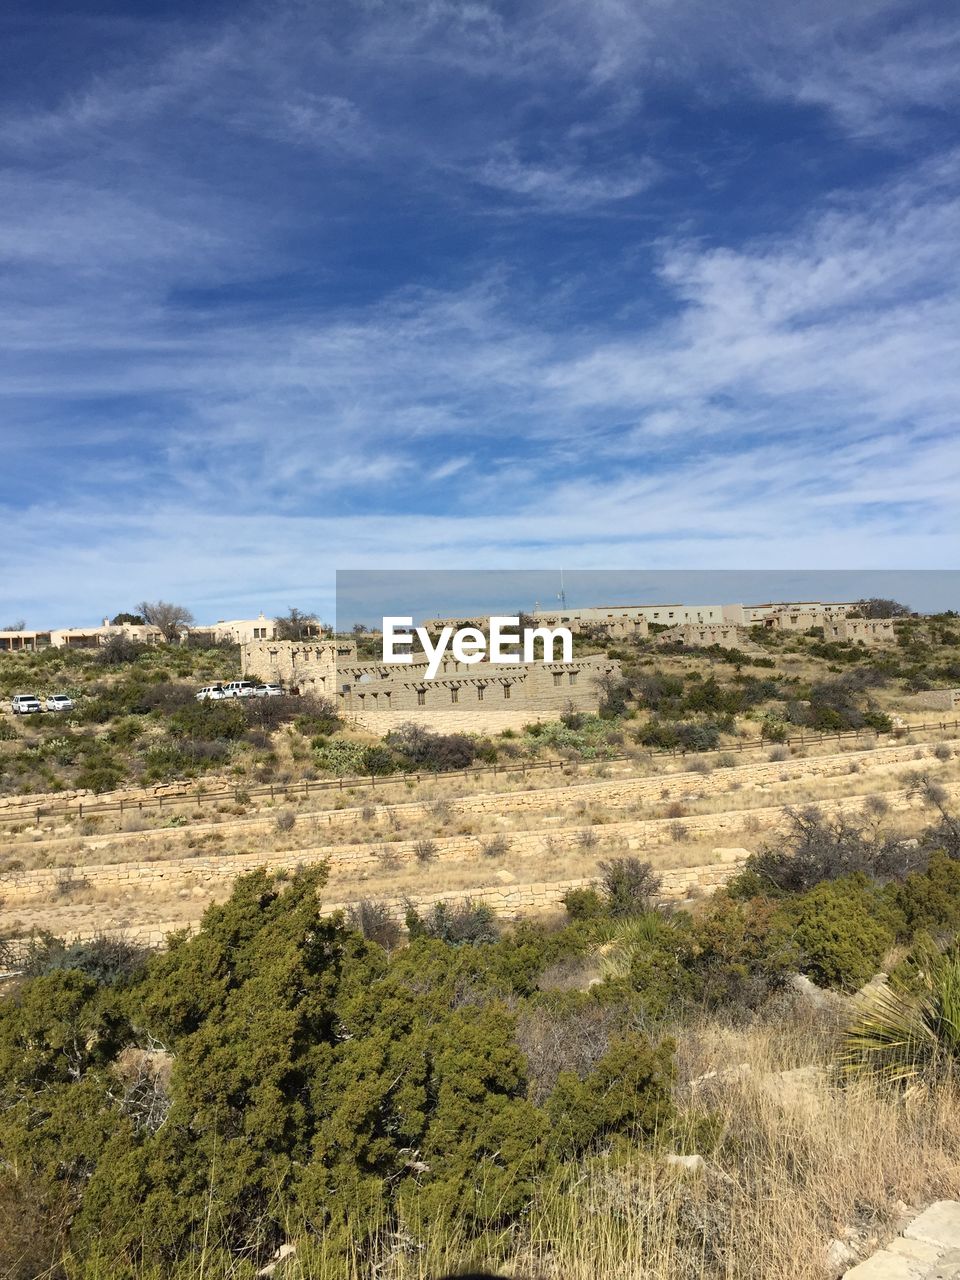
[455, 693]
[421, 697]
[480, 689]
[506, 691]
[558, 678]
[573, 677]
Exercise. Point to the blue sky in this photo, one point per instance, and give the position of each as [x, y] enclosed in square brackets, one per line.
[295, 287]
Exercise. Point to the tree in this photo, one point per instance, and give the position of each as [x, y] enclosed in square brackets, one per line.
[295, 625]
[19, 625]
[128, 620]
[119, 649]
[876, 607]
[170, 618]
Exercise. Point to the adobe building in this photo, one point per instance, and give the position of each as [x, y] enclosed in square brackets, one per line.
[463, 697]
[753, 615]
[860, 630]
[24, 641]
[616, 621]
[236, 630]
[95, 637]
[700, 636]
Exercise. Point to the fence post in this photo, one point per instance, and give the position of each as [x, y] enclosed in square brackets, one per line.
[80, 809]
[38, 815]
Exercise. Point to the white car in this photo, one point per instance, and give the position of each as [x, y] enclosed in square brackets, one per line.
[268, 691]
[22, 704]
[240, 689]
[59, 702]
[211, 693]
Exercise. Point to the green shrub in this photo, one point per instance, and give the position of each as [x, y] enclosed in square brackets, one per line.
[209, 721]
[629, 885]
[418, 748]
[929, 900]
[741, 952]
[584, 904]
[340, 757]
[378, 760]
[456, 924]
[627, 1092]
[99, 774]
[843, 928]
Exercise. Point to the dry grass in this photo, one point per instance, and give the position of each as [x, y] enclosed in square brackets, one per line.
[676, 819]
[787, 1171]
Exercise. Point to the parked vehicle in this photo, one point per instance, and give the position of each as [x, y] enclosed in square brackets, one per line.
[22, 704]
[240, 689]
[59, 702]
[268, 691]
[211, 693]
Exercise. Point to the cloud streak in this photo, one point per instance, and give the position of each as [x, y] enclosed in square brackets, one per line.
[442, 284]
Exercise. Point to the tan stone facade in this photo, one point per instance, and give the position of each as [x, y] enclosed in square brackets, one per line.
[939, 699]
[859, 630]
[470, 698]
[616, 620]
[701, 637]
[794, 620]
[752, 615]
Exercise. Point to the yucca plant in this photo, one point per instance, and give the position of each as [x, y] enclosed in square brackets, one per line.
[908, 1033]
[620, 940]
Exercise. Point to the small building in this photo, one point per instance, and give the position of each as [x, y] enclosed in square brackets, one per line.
[866, 631]
[95, 637]
[794, 620]
[23, 641]
[752, 615]
[696, 636]
[237, 630]
[463, 697]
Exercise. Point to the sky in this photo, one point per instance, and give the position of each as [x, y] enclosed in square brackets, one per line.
[367, 596]
[287, 288]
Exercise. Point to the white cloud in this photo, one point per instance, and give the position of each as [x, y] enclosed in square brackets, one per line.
[814, 369]
[567, 187]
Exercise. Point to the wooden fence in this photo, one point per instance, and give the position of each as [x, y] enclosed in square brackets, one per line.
[293, 791]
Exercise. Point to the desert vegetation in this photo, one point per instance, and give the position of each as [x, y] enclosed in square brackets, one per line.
[624, 1086]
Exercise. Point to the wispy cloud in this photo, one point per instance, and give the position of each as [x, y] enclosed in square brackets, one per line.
[446, 283]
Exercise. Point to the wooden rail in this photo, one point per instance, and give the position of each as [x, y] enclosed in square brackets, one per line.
[302, 790]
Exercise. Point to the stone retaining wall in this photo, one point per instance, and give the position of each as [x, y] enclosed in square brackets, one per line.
[505, 900]
[637, 835]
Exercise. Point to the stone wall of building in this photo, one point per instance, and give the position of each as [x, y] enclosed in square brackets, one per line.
[696, 636]
[859, 630]
[470, 698]
[616, 619]
[306, 666]
[794, 620]
[751, 615]
[938, 699]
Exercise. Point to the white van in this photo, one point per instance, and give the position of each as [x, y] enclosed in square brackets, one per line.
[211, 693]
[240, 689]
